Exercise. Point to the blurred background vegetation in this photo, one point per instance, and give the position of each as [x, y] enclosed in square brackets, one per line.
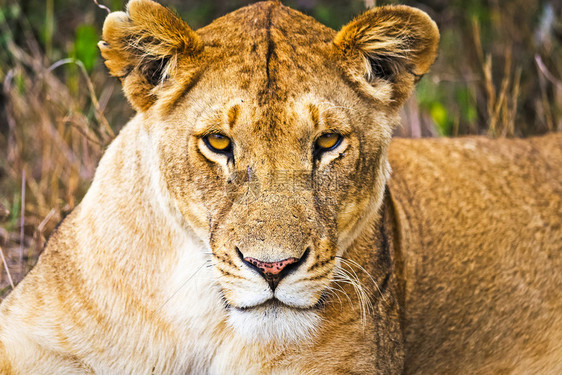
[499, 73]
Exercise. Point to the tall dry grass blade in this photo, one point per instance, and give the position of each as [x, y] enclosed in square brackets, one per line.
[37, 192]
[545, 103]
[547, 74]
[83, 130]
[98, 112]
[486, 64]
[490, 92]
[39, 238]
[22, 223]
[496, 116]
[6, 268]
[512, 115]
[13, 151]
[477, 39]
[499, 105]
[41, 227]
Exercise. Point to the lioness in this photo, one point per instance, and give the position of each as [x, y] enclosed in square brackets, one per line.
[243, 222]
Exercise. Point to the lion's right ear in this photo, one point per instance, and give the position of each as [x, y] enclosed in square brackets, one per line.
[143, 46]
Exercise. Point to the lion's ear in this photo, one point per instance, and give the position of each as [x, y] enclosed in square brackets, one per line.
[396, 44]
[143, 46]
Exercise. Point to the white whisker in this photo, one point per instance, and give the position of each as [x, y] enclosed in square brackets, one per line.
[350, 277]
[364, 270]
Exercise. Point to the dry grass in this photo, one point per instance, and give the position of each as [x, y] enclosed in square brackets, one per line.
[501, 105]
[53, 137]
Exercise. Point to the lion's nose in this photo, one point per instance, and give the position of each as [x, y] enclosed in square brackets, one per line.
[273, 272]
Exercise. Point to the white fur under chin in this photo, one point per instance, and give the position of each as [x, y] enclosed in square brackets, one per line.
[274, 323]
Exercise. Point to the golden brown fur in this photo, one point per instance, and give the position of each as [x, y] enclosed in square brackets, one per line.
[481, 268]
[451, 266]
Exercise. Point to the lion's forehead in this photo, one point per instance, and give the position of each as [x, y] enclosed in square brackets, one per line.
[264, 23]
[268, 48]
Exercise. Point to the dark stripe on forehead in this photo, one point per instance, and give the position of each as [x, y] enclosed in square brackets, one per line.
[270, 92]
[270, 47]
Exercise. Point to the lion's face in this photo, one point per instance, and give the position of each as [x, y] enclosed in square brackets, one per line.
[274, 196]
[271, 132]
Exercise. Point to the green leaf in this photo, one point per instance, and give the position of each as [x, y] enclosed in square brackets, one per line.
[323, 14]
[117, 5]
[85, 46]
[467, 104]
[439, 114]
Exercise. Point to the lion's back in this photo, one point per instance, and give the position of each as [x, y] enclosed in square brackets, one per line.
[481, 238]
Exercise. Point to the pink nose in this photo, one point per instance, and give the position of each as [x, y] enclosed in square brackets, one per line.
[270, 269]
[273, 272]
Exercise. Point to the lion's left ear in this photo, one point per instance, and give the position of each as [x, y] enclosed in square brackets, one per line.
[396, 44]
[145, 46]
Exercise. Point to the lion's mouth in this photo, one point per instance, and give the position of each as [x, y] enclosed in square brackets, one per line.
[273, 304]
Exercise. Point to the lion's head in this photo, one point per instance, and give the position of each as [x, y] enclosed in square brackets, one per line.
[271, 131]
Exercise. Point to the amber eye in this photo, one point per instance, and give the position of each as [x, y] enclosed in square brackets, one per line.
[328, 141]
[218, 143]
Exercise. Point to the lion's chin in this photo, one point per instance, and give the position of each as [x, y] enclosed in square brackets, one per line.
[275, 322]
